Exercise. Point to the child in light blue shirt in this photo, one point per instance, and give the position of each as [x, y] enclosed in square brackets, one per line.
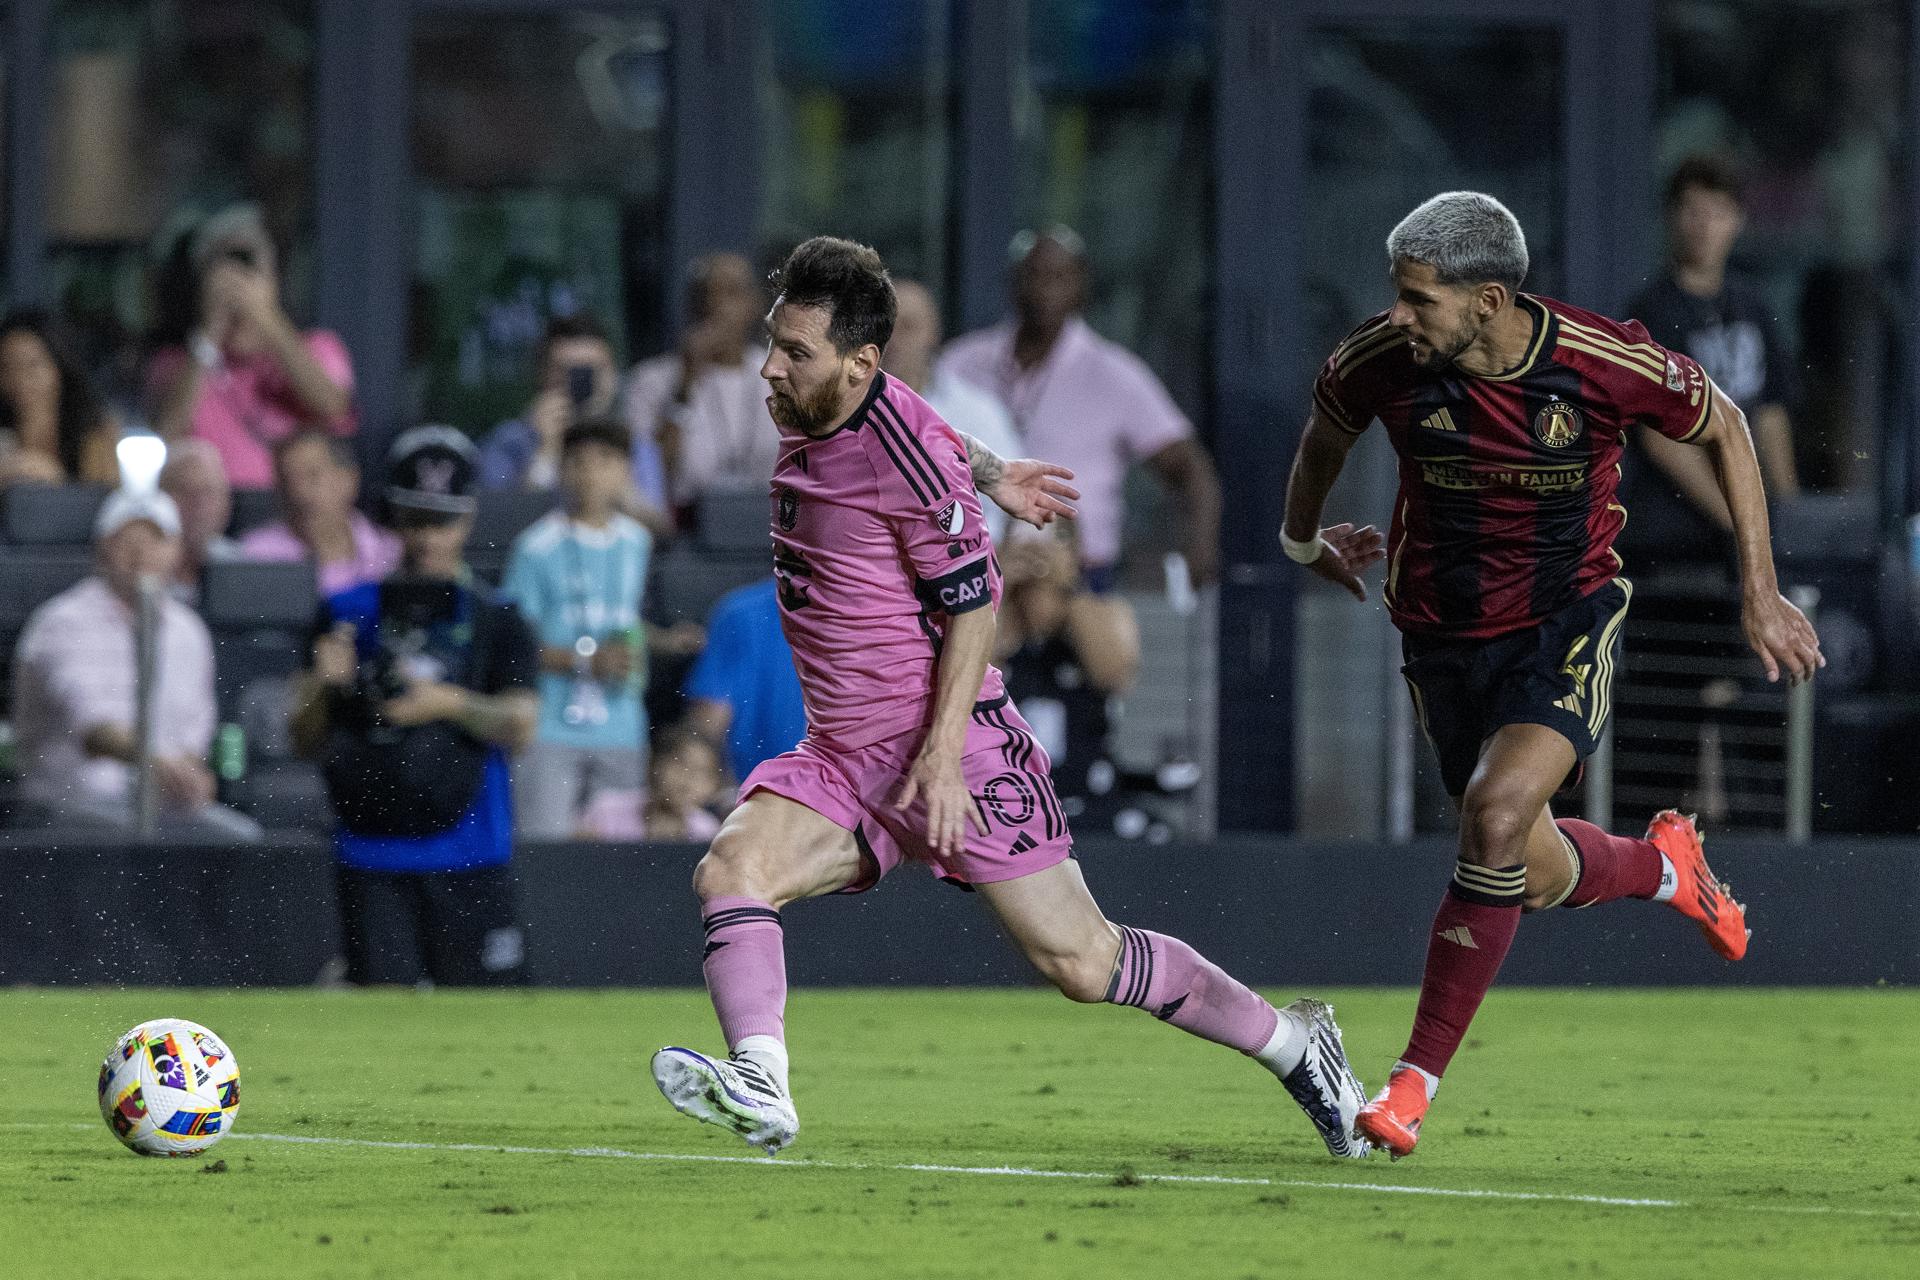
[579, 575]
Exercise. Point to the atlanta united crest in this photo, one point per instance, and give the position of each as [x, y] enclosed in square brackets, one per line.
[1557, 425]
[788, 508]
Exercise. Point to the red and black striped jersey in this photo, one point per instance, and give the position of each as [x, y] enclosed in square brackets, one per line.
[1506, 510]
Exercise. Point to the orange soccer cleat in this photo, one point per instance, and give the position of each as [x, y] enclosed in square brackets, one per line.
[1392, 1120]
[1699, 896]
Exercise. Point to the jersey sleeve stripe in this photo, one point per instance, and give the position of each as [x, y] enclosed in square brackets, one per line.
[1392, 342]
[1602, 335]
[1359, 341]
[1358, 348]
[1706, 411]
[928, 471]
[1332, 411]
[916, 444]
[1645, 352]
[1567, 340]
[908, 467]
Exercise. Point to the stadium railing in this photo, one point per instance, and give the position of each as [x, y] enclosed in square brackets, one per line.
[1694, 718]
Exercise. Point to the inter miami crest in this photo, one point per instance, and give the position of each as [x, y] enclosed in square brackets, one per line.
[1558, 424]
[788, 508]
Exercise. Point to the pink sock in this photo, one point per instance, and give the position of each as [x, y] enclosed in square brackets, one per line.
[1176, 984]
[746, 968]
[1611, 867]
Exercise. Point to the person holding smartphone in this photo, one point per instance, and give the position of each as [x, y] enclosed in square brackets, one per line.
[247, 377]
[578, 380]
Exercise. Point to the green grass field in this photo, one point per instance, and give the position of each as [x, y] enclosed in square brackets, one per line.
[1782, 1130]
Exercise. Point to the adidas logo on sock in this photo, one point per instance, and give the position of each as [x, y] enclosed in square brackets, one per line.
[1460, 936]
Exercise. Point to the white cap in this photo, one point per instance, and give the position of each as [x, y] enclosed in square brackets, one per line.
[124, 506]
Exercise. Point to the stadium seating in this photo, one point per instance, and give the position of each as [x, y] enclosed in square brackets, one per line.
[686, 585]
[239, 594]
[253, 508]
[41, 515]
[501, 517]
[260, 616]
[733, 524]
[29, 578]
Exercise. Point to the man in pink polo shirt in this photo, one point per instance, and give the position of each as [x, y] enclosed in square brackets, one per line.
[1089, 404]
[247, 377]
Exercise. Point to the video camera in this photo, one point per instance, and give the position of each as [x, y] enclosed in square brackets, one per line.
[395, 655]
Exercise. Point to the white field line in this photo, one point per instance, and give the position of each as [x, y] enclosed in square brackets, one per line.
[1012, 1171]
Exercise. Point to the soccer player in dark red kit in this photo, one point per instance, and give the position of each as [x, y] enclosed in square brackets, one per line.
[888, 588]
[1507, 410]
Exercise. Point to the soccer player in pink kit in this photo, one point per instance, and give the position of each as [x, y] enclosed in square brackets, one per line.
[888, 587]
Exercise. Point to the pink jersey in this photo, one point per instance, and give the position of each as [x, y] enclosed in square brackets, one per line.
[877, 541]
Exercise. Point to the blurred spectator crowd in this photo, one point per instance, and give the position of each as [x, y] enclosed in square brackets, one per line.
[305, 604]
[192, 518]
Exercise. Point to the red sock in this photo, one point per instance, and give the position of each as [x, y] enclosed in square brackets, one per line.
[1472, 933]
[1611, 867]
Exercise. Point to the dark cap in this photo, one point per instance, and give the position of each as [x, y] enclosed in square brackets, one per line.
[433, 471]
[609, 433]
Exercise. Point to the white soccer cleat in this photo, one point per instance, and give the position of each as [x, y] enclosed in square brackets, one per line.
[1324, 1085]
[732, 1093]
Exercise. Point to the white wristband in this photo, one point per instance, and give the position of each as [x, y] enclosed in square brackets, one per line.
[1302, 552]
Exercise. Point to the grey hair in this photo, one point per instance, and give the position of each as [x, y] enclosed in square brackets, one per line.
[1467, 237]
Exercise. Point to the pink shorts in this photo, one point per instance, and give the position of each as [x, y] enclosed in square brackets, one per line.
[1006, 770]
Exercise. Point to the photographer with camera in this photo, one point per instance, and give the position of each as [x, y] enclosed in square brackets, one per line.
[247, 377]
[420, 686]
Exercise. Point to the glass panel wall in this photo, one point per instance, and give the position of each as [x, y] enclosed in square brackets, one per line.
[1389, 126]
[540, 161]
[1807, 99]
[162, 111]
[855, 131]
[1114, 122]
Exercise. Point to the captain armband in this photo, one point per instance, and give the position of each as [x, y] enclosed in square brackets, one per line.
[959, 590]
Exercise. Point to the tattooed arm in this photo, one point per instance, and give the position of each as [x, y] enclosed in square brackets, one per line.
[988, 466]
[1024, 488]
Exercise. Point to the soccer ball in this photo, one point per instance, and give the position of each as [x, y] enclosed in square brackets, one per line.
[169, 1088]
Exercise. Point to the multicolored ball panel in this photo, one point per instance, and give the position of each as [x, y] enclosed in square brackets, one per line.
[169, 1088]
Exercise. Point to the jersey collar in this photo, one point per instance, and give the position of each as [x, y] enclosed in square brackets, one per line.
[1545, 333]
[858, 418]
